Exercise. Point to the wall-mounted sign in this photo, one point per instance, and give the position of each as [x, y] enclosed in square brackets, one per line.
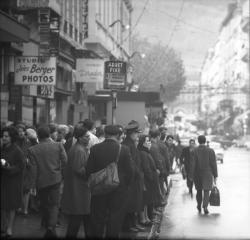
[89, 70]
[35, 70]
[46, 91]
[115, 75]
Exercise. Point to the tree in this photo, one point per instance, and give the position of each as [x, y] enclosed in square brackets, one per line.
[161, 69]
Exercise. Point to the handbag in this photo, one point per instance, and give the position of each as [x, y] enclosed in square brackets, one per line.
[105, 180]
[214, 198]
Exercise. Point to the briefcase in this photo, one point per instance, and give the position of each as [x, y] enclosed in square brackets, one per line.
[214, 198]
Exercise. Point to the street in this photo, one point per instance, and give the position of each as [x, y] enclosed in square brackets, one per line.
[229, 221]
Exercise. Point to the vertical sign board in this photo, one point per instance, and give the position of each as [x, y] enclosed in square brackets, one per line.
[115, 75]
[35, 70]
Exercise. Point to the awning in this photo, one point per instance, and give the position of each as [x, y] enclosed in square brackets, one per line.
[11, 30]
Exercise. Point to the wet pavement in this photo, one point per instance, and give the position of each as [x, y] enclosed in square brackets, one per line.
[231, 220]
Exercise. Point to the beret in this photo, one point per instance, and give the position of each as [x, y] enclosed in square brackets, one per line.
[112, 130]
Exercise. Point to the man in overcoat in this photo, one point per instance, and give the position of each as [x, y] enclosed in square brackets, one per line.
[48, 159]
[108, 210]
[203, 172]
[136, 188]
[185, 160]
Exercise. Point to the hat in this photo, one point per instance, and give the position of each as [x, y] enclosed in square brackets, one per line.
[133, 126]
[112, 130]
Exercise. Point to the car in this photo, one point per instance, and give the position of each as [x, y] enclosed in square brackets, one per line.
[247, 145]
[219, 152]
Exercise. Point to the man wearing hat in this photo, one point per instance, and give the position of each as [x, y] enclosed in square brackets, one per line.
[108, 210]
[136, 189]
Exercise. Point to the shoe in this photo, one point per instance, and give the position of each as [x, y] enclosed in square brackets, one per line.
[206, 211]
[199, 209]
[140, 228]
[133, 229]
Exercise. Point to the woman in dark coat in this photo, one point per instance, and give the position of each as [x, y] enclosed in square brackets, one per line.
[12, 166]
[76, 193]
[152, 195]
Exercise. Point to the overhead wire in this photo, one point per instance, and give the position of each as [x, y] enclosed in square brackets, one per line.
[169, 41]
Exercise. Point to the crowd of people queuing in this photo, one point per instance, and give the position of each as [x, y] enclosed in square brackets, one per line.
[47, 170]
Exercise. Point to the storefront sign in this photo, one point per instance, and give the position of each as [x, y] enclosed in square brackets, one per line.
[45, 91]
[89, 70]
[115, 75]
[35, 70]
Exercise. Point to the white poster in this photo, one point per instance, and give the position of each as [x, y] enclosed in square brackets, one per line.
[35, 70]
[89, 70]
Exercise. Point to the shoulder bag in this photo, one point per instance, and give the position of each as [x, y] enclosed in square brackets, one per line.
[105, 180]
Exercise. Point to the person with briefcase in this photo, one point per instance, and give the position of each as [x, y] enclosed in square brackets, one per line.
[203, 173]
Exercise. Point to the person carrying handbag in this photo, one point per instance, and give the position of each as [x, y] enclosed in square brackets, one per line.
[108, 208]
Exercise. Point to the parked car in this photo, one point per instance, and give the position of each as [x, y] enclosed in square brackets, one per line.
[219, 151]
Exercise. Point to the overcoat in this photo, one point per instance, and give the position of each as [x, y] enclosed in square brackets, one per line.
[136, 188]
[203, 167]
[151, 179]
[76, 193]
[12, 177]
[48, 159]
[186, 158]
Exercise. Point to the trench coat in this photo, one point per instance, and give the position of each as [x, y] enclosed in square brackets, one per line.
[136, 187]
[12, 177]
[203, 168]
[76, 193]
[152, 194]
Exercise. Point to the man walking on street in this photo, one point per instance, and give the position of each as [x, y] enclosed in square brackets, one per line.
[185, 161]
[48, 159]
[203, 172]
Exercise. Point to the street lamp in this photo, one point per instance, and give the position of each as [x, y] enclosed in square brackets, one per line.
[142, 55]
[124, 27]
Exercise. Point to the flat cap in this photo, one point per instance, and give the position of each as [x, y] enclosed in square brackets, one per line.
[112, 130]
[133, 126]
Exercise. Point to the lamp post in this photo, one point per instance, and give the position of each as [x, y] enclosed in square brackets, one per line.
[114, 105]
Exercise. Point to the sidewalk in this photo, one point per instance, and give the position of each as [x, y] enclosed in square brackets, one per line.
[30, 227]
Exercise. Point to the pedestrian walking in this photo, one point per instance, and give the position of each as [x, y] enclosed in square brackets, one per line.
[203, 173]
[76, 192]
[108, 210]
[186, 157]
[48, 159]
[90, 125]
[12, 167]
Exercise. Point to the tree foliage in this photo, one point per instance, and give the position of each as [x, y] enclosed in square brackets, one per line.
[161, 69]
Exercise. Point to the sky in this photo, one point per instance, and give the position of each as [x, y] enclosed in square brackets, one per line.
[191, 27]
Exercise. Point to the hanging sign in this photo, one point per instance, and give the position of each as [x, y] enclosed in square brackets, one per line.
[35, 70]
[115, 75]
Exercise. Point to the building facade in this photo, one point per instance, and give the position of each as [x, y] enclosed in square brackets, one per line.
[225, 83]
[66, 30]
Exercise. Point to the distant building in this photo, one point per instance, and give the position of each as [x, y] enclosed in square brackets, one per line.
[225, 80]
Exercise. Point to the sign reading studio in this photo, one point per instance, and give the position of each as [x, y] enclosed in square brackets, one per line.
[35, 70]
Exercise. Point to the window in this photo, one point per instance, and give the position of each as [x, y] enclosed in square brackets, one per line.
[65, 27]
[76, 35]
[80, 38]
[71, 30]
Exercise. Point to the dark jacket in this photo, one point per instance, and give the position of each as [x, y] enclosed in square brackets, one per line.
[12, 177]
[165, 156]
[204, 167]
[48, 159]
[186, 158]
[106, 152]
[158, 158]
[151, 180]
[136, 188]
[76, 193]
